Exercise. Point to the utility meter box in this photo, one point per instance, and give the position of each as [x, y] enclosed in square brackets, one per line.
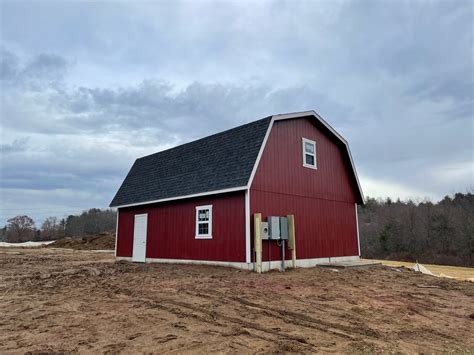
[283, 228]
[273, 227]
[264, 230]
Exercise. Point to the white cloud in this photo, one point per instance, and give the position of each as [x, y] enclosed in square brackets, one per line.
[376, 188]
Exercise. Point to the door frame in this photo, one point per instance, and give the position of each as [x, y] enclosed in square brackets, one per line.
[135, 258]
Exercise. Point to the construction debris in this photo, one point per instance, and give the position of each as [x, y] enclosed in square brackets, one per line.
[420, 268]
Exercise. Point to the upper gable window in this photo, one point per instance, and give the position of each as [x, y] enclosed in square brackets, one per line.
[309, 154]
[204, 222]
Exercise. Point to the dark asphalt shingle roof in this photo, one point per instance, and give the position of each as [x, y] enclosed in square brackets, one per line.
[220, 161]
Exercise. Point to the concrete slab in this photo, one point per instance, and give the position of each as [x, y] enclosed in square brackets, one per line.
[351, 264]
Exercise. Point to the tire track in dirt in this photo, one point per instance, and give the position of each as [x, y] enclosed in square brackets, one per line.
[294, 317]
[218, 319]
[198, 309]
[286, 316]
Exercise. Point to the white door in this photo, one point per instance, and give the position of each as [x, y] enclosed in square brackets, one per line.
[139, 238]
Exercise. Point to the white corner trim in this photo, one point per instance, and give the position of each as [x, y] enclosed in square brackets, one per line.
[240, 188]
[247, 227]
[116, 232]
[357, 228]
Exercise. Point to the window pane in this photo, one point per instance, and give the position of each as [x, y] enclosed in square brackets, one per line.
[203, 228]
[309, 147]
[203, 215]
[309, 159]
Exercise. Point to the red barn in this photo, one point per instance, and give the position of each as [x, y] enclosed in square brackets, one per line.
[194, 203]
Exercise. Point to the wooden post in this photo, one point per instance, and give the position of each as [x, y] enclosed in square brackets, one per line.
[291, 238]
[257, 244]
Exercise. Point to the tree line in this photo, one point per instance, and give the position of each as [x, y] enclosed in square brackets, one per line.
[437, 233]
[93, 221]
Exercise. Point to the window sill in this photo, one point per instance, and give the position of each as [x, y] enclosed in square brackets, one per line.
[203, 237]
[314, 167]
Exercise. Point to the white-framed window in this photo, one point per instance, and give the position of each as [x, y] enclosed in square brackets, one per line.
[309, 154]
[204, 222]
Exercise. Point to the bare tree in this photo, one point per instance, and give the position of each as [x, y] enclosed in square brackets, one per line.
[20, 229]
[51, 229]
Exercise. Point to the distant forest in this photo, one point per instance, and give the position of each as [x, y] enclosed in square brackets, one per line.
[438, 233]
[91, 222]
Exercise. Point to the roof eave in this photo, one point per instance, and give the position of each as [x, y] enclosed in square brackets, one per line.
[207, 193]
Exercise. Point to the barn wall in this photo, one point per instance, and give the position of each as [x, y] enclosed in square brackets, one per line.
[281, 166]
[323, 228]
[322, 200]
[171, 229]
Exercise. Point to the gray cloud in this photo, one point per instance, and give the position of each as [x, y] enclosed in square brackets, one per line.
[17, 146]
[8, 65]
[46, 67]
[41, 72]
[97, 85]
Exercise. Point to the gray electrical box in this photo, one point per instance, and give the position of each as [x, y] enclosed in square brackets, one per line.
[284, 228]
[274, 227]
[264, 230]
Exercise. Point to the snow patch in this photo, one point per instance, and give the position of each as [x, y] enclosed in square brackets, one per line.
[25, 244]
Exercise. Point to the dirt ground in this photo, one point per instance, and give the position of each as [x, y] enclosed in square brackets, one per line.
[456, 272]
[54, 300]
[103, 241]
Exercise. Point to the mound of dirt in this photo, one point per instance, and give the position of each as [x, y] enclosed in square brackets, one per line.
[103, 241]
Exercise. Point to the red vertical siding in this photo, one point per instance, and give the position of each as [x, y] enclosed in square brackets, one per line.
[281, 166]
[323, 228]
[171, 229]
[322, 200]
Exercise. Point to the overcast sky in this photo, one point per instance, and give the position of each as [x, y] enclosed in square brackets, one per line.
[87, 87]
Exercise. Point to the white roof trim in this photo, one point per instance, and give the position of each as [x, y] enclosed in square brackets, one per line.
[240, 188]
[287, 116]
[260, 152]
[279, 117]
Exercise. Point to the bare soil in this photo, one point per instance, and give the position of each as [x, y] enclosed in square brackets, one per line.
[456, 272]
[54, 300]
[103, 241]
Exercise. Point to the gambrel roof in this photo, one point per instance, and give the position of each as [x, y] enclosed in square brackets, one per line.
[222, 162]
